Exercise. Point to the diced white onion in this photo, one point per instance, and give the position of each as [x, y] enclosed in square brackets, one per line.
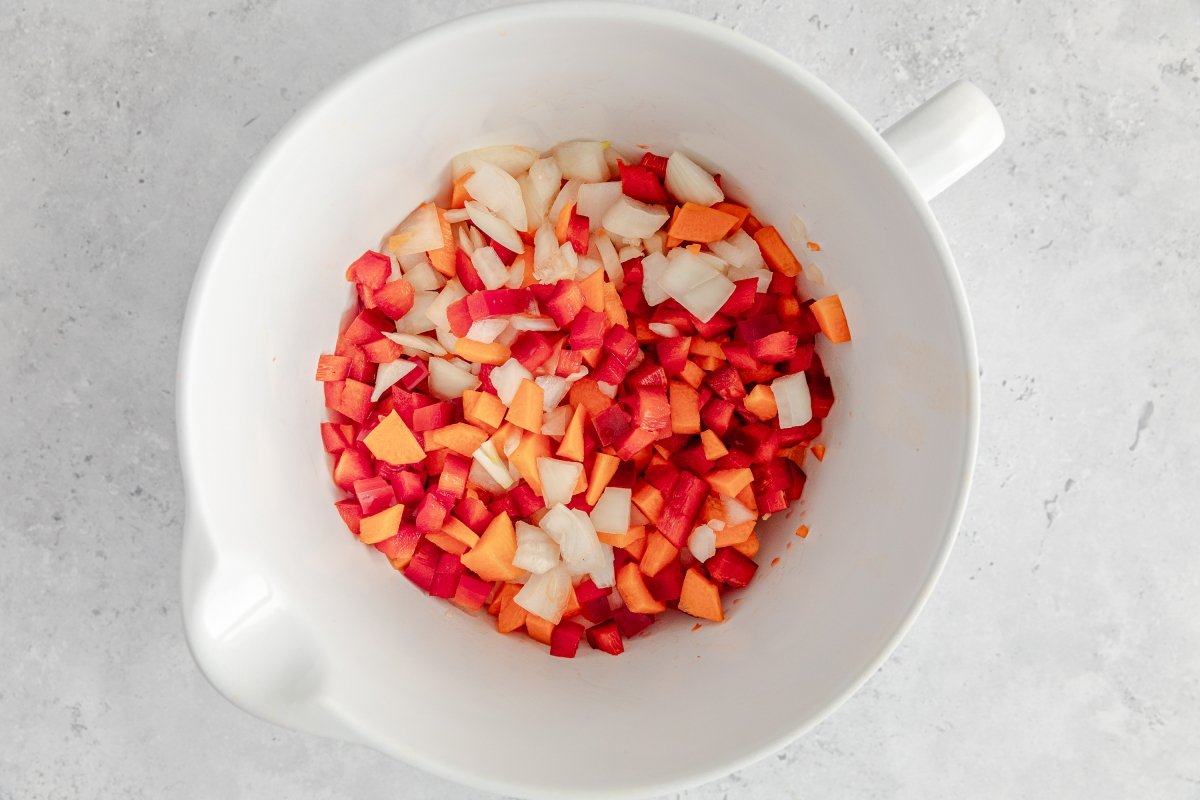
[499, 192]
[634, 219]
[546, 595]
[611, 512]
[525, 322]
[424, 278]
[389, 375]
[539, 187]
[480, 477]
[536, 551]
[558, 479]
[506, 379]
[703, 543]
[485, 331]
[740, 250]
[653, 267]
[446, 381]
[495, 227]
[488, 459]
[410, 260]
[549, 265]
[610, 260]
[566, 196]
[554, 389]
[587, 265]
[554, 423]
[630, 252]
[595, 199]
[448, 340]
[452, 291]
[511, 158]
[716, 524]
[577, 541]
[490, 268]
[691, 183]
[416, 320]
[456, 215]
[609, 390]
[793, 400]
[735, 512]
[663, 329]
[763, 276]
[582, 161]
[425, 344]
[420, 231]
[655, 243]
[695, 285]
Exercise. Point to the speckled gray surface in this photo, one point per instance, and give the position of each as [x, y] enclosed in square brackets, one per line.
[1060, 655]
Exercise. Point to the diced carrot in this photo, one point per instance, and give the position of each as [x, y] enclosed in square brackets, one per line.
[580, 483]
[585, 392]
[748, 548]
[332, 368]
[393, 442]
[571, 446]
[692, 374]
[730, 482]
[538, 629]
[459, 194]
[456, 528]
[685, 408]
[831, 318]
[637, 548]
[503, 434]
[459, 437]
[746, 498]
[740, 212]
[591, 356]
[693, 248]
[512, 616]
[649, 500]
[659, 553]
[633, 591]
[775, 561]
[813, 246]
[526, 262]
[797, 454]
[377, 527]
[709, 363]
[776, 253]
[802, 531]
[493, 353]
[696, 223]
[593, 290]
[634, 533]
[483, 409]
[501, 594]
[818, 450]
[696, 627]
[562, 226]
[614, 309]
[761, 402]
[703, 347]
[572, 607]
[603, 469]
[525, 411]
[533, 446]
[443, 259]
[641, 458]
[714, 448]
[491, 558]
[700, 596]
[673, 242]
[752, 225]
[732, 535]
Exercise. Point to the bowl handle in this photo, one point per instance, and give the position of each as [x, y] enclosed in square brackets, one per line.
[249, 642]
[946, 137]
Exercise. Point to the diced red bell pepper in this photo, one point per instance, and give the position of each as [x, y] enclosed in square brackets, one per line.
[503, 504]
[474, 513]
[655, 163]
[593, 601]
[731, 567]
[374, 494]
[756, 327]
[774, 347]
[671, 313]
[633, 271]
[577, 232]
[408, 487]
[382, 351]
[781, 284]
[354, 400]
[692, 459]
[801, 360]
[727, 383]
[587, 329]
[647, 375]
[532, 349]
[366, 327]
[631, 623]
[738, 355]
[642, 183]
[673, 353]
[446, 575]
[565, 303]
[820, 389]
[611, 424]
[650, 409]
[801, 433]
[633, 300]
[794, 489]
[485, 378]
[432, 512]
[453, 479]
[564, 641]
[715, 328]
[569, 362]
[662, 476]
[371, 269]
[351, 513]
[395, 299]
[606, 638]
[459, 315]
[667, 584]
[526, 502]
[353, 464]
[734, 459]
[717, 415]
[432, 417]
[611, 370]
[424, 563]
[336, 437]
[770, 486]
[472, 592]
[622, 344]
[464, 268]
[498, 303]
[633, 442]
[742, 298]
[403, 544]
[507, 257]
[682, 505]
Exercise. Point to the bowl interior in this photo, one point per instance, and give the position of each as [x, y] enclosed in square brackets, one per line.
[415, 677]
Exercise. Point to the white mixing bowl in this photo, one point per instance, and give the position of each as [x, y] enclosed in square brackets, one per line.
[294, 621]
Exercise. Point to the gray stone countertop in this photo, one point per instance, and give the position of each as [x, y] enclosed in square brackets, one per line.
[1059, 656]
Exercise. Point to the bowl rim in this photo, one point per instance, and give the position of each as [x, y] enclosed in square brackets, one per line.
[200, 292]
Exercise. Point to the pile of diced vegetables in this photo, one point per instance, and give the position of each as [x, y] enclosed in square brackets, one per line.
[570, 394]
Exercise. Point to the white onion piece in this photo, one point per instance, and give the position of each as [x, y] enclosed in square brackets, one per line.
[719, 264]
[586, 266]
[612, 156]
[525, 322]
[456, 215]
[655, 243]
[491, 269]
[546, 595]
[411, 260]
[664, 329]
[516, 274]
[630, 252]
[424, 277]
[425, 344]
[420, 231]
[499, 192]
[554, 389]
[695, 285]
[739, 250]
[508, 335]
[448, 340]
[566, 196]
[735, 512]
[446, 381]
[477, 240]
[464, 235]
[569, 257]
[389, 375]
[486, 330]
[716, 524]
[703, 543]
[558, 479]
[488, 459]
[636, 517]
[609, 390]
[595, 199]
[539, 187]
[576, 538]
[495, 227]
[481, 478]
[576, 375]
[506, 379]
[554, 423]
[634, 219]
[582, 161]
[511, 158]
[451, 292]
[549, 265]
[742, 273]
[416, 320]
[604, 574]
[536, 551]
[610, 260]
[793, 400]
[653, 267]
[691, 183]
[611, 512]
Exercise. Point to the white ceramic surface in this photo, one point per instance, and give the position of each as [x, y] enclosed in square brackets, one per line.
[294, 622]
